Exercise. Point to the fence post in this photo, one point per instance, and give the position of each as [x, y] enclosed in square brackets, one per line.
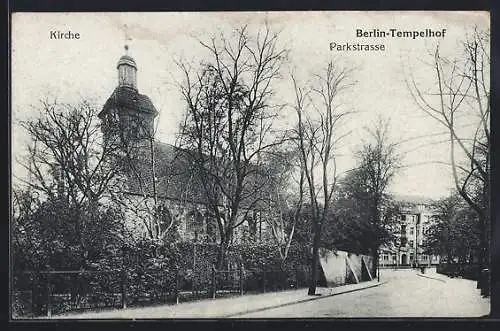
[177, 285]
[214, 285]
[194, 290]
[124, 288]
[49, 296]
[264, 278]
[241, 278]
[33, 293]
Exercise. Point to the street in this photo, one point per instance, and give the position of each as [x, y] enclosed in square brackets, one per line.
[406, 294]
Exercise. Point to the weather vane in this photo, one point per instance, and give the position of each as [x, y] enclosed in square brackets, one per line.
[127, 38]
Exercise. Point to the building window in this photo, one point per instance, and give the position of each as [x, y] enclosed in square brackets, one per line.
[412, 243]
[403, 228]
[412, 230]
[403, 241]
[394, 257]
[424, 257]
[386, 258]
[411, 256]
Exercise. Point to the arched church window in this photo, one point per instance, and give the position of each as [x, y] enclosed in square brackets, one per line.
[124, 75]
[113, 120]
[194, 224]
[164, 218]
[251, 224]
[134, 127]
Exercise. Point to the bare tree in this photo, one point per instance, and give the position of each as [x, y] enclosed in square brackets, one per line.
[68, 163]
[378, 163]
[317, 136]
[229, 123]
[67, 156]
[284, 207]
[461, 94]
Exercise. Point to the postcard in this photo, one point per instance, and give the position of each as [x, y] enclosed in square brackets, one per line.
[305, 164]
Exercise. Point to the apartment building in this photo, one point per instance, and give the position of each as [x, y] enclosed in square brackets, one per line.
[410, 231]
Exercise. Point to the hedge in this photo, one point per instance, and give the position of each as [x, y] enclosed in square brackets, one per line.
[153, 273]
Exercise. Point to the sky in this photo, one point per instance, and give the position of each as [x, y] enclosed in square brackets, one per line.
[85, 68]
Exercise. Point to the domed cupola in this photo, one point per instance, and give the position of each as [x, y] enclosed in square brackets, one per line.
[127, 71]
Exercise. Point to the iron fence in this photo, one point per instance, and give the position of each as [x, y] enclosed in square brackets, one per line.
[38, 293]
[465, 270]
[51, 292]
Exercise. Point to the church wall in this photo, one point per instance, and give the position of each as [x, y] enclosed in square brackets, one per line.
[190, 219]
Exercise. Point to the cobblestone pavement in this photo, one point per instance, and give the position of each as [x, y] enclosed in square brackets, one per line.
[406, 294]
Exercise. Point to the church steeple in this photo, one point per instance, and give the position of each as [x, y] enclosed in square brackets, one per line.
[128, 115]
[127, 71]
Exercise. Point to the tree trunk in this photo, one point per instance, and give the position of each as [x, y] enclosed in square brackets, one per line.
[483, 253]
[375, 262]
[314, 264]
[221, 256]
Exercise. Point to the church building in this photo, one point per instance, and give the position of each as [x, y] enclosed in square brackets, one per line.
[159, 179]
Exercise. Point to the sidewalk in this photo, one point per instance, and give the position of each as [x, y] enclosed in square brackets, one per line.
[432, 274]
[224, 307]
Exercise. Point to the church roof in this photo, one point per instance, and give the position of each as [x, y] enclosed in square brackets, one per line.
[127, 97]
[177, 177]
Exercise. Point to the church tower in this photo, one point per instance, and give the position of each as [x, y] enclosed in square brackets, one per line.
[128, 116]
